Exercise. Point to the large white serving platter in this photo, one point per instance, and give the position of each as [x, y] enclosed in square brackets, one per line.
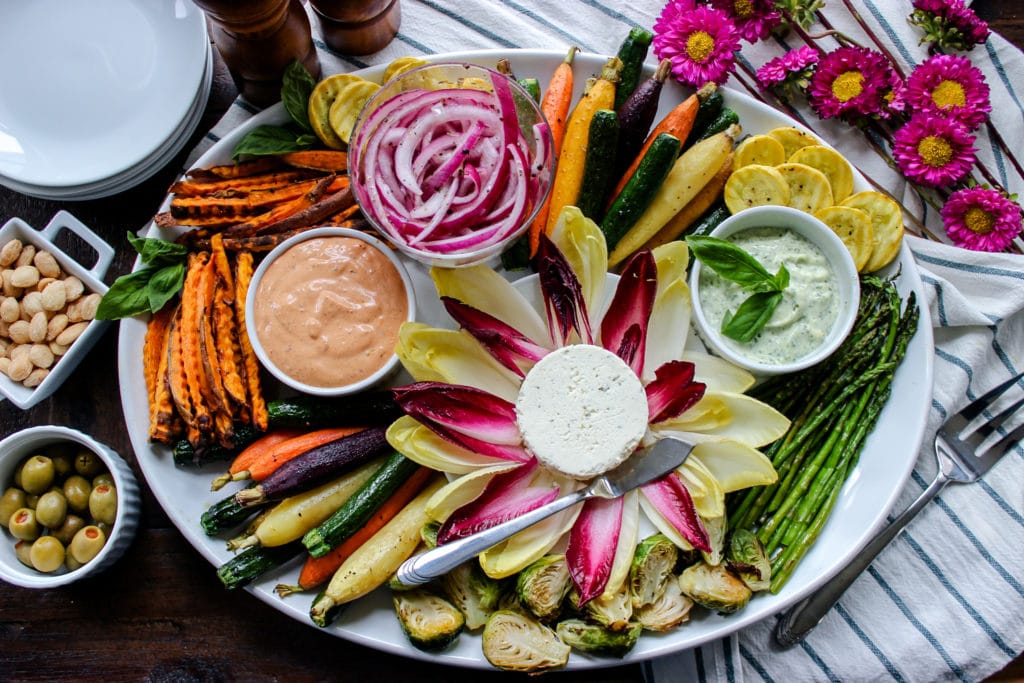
[884, 465]
[92, 89]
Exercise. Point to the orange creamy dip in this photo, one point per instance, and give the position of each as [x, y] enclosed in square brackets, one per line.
[328, 309]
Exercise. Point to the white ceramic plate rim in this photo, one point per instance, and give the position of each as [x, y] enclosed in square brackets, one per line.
[162, 97]
[884, 467]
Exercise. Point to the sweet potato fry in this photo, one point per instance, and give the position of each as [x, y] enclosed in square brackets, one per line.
[236, 170]
[222, 266]
[318, 159]
[164, 423]
[271, 219]
[152, 347]
[191, 354]
[225, 332]
[177, 381]
[339, 218]
[243, 276]
[242, 204]
[196, 188]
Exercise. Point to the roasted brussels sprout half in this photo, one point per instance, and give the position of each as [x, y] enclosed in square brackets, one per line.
[611, 611]
[747, 559]
[717, 528]
[430, 622]
[428, 534]
[715, 588]
[653, 561]
[597, 640]
[517, 642]
[668, 610]
[473, 592]
[543, 585]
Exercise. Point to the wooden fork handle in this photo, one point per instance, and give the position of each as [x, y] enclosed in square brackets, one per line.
[805, 615]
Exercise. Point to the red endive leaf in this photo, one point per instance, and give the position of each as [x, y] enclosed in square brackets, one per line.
[673, 390]
[673, 501]
[506, 496]
[563, 295]
[624, 327]
[466, 416]
[509, 346]
[592, 544]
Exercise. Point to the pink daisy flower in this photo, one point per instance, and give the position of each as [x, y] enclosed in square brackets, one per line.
[754, 19]
[949, 24]
[934, 151]
[792, 68]
[701, 42]
[981, 219]
[950, 85]
[849, 82]
[895, 96]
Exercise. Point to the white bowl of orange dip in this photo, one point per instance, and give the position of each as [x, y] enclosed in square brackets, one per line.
[324, 309]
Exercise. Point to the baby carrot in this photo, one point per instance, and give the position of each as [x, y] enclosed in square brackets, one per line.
[281, 453]
[240, 465]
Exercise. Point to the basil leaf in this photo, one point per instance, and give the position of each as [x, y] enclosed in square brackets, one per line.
[164, 284]
[296, 87]
[752, 315]
[729, 261]
[128, 296]
[781, 279]
[157, 251]
[264, 140]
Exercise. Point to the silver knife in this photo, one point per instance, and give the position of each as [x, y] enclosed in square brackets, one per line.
[642, 467]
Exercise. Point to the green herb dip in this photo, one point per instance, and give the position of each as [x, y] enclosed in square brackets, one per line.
[809, 306]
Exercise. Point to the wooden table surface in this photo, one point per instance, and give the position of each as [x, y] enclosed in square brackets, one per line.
[160, 614]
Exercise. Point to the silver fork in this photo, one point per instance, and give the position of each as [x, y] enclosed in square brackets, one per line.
[956, 452]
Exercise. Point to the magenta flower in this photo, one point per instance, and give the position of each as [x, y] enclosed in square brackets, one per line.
[981, 219]
[754, 19]
[949, 24]
[934, 151]
[895, 96]
[950, 85]
[850, 82]
[701, 42]
[792, 69]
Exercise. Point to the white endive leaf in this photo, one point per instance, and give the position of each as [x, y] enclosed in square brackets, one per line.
[735, 416]
[463, 490]
[418, 443]
[486, 290]
[718, 374]
[584, 247]
[454, 357]
[708, 496]
[628, 535]
[670, 317]
[734, 465]
[661, 524]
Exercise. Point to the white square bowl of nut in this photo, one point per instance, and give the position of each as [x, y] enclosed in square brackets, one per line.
[47, 306]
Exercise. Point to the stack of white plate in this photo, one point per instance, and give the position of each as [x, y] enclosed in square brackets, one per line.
[97, 96]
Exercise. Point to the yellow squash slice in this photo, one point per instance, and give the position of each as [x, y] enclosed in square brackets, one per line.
[319, 110]
[401, 65]
[809, 189]
[347, 105]
[830, 162]
[854, 228]
[887, 220]
[792, 139]
[755, 185]
[759, 149]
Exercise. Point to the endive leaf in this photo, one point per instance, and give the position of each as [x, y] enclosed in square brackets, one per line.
[670, 318]
[563, 295]
[466, 416]
[584, 247]
[593, 542]
[463, 491]
[506, 344]
[453, 356]
[708, 496]
[416, 442]
[670, 497]
[735, 465]
[730, 415]
[624, 326]
[673, 391]
[486, 290]
[718, 374]
[628, 535]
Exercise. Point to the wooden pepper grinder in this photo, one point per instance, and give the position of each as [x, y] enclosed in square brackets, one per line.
[258, 39]
[357, 27]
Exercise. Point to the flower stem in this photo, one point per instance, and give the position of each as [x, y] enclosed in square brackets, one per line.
[878, 43]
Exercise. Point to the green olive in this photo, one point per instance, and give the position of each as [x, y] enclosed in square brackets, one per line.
[103, 478]
[88, 464]
[23, 551]
[47, 554]
[66, 531]
[63, 464]
[37, 474]
[105, 528]
[103, 503]
[70, 562]
[87, 543]
[16, 479]
[23, 524]
[77, 490]
[12, 499]
[31, 501]
[51, 509]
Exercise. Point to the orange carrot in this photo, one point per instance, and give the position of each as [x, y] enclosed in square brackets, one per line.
[317, 570]
[260, 468]
[555, 105]
[240, 465]
[677, 122]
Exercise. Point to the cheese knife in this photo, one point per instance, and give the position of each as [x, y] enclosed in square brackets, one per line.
[642, 467]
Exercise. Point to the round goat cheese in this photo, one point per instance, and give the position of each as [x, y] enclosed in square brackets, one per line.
[582, 411]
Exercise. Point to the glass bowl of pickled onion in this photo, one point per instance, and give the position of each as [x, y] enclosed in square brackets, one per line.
[450, 162]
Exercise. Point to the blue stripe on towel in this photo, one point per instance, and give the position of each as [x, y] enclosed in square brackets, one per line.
[916, 623]
[894, 37]
[980, 547]
[490, 35]
[940, 299]
[819, 662]
[852, 623]
[730, 668]
[533, 16]
[612, 13]
[755, 664]
[980, 270]
[414, 44]
[698, 660]
[998, 65]
[340, 56]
